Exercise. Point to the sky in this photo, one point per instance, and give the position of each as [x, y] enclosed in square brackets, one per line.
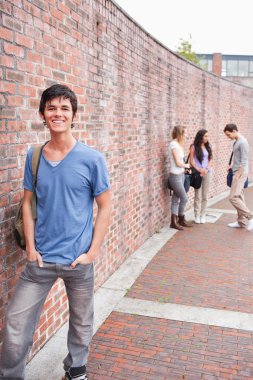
[215, 26]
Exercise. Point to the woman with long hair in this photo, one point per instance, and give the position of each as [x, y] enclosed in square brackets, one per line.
[201, 158]
[176, 179]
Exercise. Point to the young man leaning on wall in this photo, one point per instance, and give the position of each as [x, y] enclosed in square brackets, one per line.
[63, 243]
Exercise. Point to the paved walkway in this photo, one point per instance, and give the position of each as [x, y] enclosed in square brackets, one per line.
[181, 307]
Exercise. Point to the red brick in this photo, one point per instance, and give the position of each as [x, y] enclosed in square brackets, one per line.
[39, 25]
[43, 71]
[27, 91]
[16, 101]
[51, 62]
[12, 75]
[42, 4]
[31, 8]
[34, 57]
[26, 114]
[28, 67]
[6, 34]
[35, 81]
[6, 7]
[2, 100]
[63, 8]
[56, 14]
[24, 41]
[49, 41]
[7, 61]
[8, 113]
[12, 23]
[14, 50]
[22, 16]
[7, 87]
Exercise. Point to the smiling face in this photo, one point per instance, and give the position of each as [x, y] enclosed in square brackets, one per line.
[58, 115]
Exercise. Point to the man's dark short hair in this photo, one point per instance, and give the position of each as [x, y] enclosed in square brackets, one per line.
[230, 128]
[58, 91]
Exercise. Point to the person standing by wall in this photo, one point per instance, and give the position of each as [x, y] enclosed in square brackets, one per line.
[176, 179]
[201, 158]
[240, 167]
[63, 243]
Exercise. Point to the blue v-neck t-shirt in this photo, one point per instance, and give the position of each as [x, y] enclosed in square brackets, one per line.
[65, 197]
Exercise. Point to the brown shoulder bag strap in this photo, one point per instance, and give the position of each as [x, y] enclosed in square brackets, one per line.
[37, 152]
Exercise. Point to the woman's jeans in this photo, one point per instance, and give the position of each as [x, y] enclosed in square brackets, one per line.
[179, 197]
[201, 196]
[24, 311]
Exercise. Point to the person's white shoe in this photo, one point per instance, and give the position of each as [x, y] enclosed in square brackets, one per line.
[250, 225]
[234, 225]
[202, 219]
[197, 219]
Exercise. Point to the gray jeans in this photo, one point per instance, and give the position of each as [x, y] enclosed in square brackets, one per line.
[179, 197]
[24, 311]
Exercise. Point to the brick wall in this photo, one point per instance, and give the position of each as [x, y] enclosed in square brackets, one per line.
[131, 91]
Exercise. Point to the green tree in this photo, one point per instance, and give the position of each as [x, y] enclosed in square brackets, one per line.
[185, 50]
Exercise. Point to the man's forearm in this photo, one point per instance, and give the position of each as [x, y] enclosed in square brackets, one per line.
[100, 229]
[28, 223]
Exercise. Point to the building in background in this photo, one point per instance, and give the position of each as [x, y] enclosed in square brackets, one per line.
[237, 68]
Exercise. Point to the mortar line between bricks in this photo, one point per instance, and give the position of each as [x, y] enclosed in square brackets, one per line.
[184, 313]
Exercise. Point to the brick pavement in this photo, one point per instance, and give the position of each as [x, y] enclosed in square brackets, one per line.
[206, 266]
